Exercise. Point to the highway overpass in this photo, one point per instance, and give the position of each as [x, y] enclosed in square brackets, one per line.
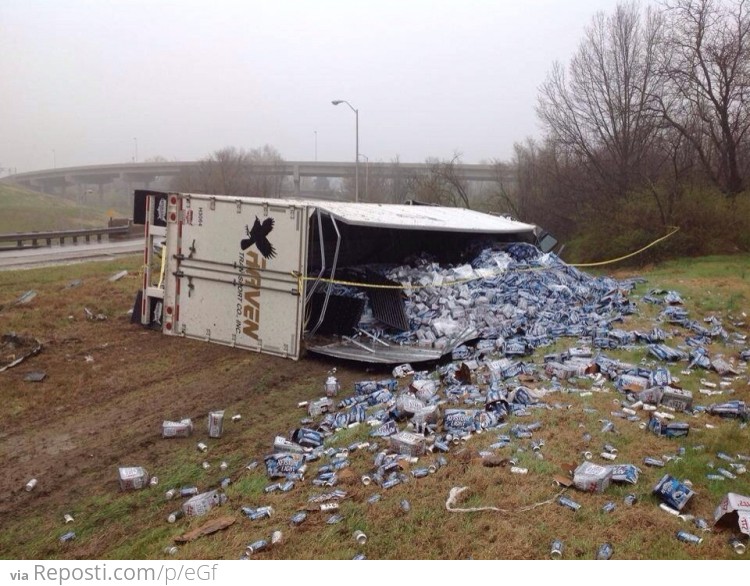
[51, 180]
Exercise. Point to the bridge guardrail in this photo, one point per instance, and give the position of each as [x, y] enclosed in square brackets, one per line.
[35, 237]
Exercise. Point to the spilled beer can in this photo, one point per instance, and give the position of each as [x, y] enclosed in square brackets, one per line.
[737, 545]
[66, 537]
[360, 537]
[604, 552]
[174, 515]
[689, 537]
[570, 503]
[257, 546]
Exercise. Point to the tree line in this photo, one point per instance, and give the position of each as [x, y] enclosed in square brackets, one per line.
[647, 126]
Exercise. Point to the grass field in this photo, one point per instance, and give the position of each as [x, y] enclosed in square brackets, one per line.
[26, 211]
[110, 384]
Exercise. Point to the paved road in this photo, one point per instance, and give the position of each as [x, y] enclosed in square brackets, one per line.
[28, 258]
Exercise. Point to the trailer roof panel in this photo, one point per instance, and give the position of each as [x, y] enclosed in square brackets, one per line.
[399, 216]
[442, 219]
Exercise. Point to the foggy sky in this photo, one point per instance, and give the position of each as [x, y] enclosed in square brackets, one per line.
[80, 80]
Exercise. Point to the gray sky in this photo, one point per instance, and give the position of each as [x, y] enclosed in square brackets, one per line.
[184, 78]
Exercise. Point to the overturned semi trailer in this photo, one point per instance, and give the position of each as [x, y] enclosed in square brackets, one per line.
[266, 274]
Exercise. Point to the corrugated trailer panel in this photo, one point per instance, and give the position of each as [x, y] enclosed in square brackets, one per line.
[232, 272]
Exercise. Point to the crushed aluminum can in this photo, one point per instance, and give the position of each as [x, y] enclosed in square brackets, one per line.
[174, 515]
[360, 537]
[736, 544]
[334, 519]
[673, 492]
[556, 549]
[215, 424]
[170, 550]
[609, 507]
[373, 498]
[287, 486]
[258, 513]
[172, 429]
[236, 417]
[31, 485]
[650, 461]
[67, 537]
[68, 518]
[187, 491]
[276, 537]
[329, 506]
[689, 537]
[518, 470]
[569, 503]
[257, 546]
[604, 552]
[133, 478]
[630, 499]
[608, 456]
[701, 524]
[298, 518]
[202, 447]
[405, 506]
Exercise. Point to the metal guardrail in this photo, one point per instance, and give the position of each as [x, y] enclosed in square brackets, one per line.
[35, 237]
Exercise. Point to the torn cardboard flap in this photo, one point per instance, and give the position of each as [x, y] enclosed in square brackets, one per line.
[734, 510]
[206, 529]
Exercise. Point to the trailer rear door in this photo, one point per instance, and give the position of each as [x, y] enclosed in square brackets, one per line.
[232, 272]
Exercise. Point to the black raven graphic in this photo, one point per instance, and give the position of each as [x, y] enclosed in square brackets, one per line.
[258, 235]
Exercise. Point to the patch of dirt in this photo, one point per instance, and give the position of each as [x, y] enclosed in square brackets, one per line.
[88, 417]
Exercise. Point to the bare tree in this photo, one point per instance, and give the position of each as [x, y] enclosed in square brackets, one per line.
[706, 94]
[600, 110]
[232, 171]
[442, 184]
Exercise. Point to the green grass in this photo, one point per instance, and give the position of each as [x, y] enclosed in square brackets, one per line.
[27, 211]
[119, 525]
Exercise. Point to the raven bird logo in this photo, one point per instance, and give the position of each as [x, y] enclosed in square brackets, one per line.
[258, 236]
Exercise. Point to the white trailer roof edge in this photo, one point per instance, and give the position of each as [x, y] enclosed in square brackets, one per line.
[397, 216]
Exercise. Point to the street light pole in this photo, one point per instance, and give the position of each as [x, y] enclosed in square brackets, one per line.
[356, 154]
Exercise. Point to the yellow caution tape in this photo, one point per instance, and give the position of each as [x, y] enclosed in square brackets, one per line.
[639, 251]
[302, 278]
